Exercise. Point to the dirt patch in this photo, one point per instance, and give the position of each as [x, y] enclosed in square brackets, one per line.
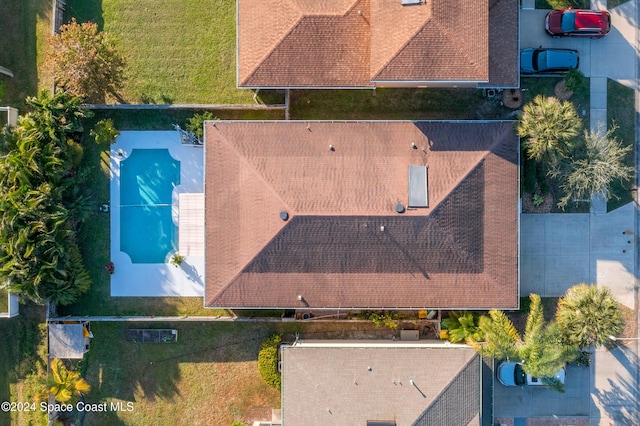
[512, 98]
[561, 91]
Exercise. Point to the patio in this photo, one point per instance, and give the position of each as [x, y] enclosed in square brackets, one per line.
[158, 279]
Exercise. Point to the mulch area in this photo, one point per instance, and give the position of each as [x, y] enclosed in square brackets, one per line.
[546, 206]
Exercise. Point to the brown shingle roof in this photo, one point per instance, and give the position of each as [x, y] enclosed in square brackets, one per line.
[303, 43]
[451, 44]
[334, 385]
[503, 44]
[354, 43]
[459, 252]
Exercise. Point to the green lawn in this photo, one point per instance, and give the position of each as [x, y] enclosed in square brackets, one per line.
[621, 110]
[23, 354]
[394, 104]
[177, 51]
[4, 300]
[210, 376]
[24, 24]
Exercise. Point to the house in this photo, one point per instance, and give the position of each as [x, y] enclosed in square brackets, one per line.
[385, 383]
[377, 43]
[361, 215]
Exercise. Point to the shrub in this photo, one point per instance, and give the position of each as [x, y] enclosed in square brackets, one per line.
[238, 423]
[574, 80]
[541, 178]
[104, 132]
[462, 326]
[528, 174]
[268, 361]
[195, 124]
[558, 4]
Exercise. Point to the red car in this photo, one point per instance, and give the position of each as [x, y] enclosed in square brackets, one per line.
[578, 23]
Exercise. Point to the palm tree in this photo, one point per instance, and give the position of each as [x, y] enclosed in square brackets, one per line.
[462, 326]
[501, 339]
[65, 384]
[602, 162]
[588, 315]
[540, 351]
[549, 127]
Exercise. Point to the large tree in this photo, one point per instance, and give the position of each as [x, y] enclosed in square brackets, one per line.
[549, 128]
[65, 385]
[539, 350]
[588, 315]
[601, 162]
[41, 202]
[85, 62]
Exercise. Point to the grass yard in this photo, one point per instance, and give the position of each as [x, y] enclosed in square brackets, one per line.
[210, 376]
[4, 300]
[24, 25]
[23, 347]
[177, 51]
[394, 104]
[621, 110]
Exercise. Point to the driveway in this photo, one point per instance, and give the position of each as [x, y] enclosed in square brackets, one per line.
[532, 34]
[560, 250]
[532, 401]
[613, 56]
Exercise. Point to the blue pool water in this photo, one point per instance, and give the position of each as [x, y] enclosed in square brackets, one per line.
[147, 179]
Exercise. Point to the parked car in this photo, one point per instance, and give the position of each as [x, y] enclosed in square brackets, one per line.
[512, 374]
[533, 61]
[578, 23]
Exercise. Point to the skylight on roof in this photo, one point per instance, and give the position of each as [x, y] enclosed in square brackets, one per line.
[418, 194]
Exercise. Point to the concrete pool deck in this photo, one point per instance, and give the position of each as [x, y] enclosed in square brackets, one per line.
[155, 279]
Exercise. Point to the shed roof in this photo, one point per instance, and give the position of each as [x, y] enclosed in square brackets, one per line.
[67, 341]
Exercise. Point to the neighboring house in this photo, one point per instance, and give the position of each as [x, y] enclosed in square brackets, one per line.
[361, 215]
[385, 384]
[377, 43]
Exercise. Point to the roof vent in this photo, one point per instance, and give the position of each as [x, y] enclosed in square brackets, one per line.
[284, 215]
[331, 148]
[413, 145]
[399, 208]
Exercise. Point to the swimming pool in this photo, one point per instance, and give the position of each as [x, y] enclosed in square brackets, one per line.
[147, 179]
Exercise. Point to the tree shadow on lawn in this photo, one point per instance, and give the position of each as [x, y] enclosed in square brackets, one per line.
[20, 339]
[18, 47]
[119, 369]
[85, 11]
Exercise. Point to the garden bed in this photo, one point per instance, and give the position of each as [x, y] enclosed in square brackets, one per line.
[137, 335]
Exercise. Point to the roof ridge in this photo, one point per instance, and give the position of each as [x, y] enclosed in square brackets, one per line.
[273, 48]
[409, 40]
[302, 17]
[243, 159]
[456, 42]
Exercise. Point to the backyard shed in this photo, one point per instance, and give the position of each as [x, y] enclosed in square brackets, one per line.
[69, 340]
